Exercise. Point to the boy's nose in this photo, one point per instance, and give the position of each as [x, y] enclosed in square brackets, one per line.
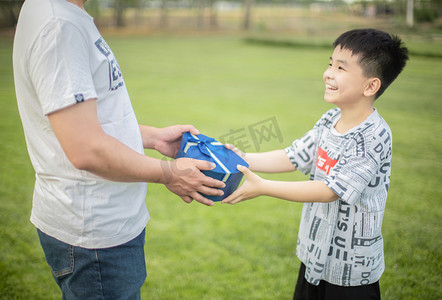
[328, 73]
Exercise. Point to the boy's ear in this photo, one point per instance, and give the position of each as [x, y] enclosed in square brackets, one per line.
[373, 86]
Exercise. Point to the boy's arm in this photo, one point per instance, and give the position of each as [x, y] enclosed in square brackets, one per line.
[275, 161]
[296, 191]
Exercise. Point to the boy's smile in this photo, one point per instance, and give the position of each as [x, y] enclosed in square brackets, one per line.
[344, 79]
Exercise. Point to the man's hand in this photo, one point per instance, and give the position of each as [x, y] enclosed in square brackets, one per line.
[165, 140]
[248, 190]
[184, 178]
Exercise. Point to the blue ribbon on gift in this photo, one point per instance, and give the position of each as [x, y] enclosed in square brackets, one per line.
[206, 146]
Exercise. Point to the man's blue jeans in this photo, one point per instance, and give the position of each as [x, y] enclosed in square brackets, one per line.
[110, 273]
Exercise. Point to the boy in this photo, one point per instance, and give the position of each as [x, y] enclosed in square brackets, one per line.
[348, 156]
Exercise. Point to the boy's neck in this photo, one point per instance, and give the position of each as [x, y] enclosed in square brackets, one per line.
[352, 116]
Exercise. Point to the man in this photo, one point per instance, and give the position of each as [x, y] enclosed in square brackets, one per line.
[87, 150]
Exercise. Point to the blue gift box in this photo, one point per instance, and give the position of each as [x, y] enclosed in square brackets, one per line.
[205, 148]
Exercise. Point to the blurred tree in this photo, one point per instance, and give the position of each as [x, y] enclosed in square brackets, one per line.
[138, 11]
[426, 10]
[9, 10]
[200, 14]
[164, 18]
[119, 6]
[213, 14]
[410, 13]
[419, 10]
[93, 8]
[247, 14]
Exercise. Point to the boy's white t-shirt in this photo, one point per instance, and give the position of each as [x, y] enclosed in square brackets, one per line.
[341, 242]
[61, 59]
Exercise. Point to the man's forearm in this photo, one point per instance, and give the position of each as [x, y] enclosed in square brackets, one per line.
[107, 157]
[149, 135]
[89, 148]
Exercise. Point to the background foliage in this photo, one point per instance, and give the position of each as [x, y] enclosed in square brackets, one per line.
[233, 14]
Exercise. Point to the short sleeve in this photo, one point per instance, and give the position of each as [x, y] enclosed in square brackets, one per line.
[301, 152]
[59, 66]
[366, 157]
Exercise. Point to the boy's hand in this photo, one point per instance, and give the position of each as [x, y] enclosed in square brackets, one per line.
[248, 190]
[237, 151]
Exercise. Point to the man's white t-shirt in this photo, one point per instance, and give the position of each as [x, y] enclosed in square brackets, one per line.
[341, 242]
[61, 59]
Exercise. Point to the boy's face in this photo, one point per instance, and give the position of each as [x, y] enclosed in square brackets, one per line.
[344, 79]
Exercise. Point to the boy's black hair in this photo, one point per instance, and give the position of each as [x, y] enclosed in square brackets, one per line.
[381, 55]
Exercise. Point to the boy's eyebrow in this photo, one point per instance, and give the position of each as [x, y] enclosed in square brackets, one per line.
[340, 61]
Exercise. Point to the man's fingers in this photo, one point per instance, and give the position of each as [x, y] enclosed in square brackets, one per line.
[208, 181]
[213, 183]
[189, 128]
[204, 165]
[187, 199]
[201, 199]
[189, 182]
[210, 191]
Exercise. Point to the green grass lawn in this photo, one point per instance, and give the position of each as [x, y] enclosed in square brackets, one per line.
[246, 251]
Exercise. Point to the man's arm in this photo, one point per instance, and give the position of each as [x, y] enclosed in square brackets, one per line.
[296, 191]
[89, 148]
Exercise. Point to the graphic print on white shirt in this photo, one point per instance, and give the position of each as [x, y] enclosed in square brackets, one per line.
[115, 77]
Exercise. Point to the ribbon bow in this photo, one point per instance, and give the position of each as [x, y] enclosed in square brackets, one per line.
[206, 146]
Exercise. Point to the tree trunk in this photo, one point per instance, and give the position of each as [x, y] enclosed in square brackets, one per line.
[248, 14]
[410, 13]
[200, 14]
[138, 10]
[119, 11]
[163, 17]
[213, 15]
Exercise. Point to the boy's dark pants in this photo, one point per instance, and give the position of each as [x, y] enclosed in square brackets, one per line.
[326, 291]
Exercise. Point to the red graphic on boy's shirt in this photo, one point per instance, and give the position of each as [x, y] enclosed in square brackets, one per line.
[324, 162]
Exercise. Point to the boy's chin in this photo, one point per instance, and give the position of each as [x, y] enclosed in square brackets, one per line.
[329, 99]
